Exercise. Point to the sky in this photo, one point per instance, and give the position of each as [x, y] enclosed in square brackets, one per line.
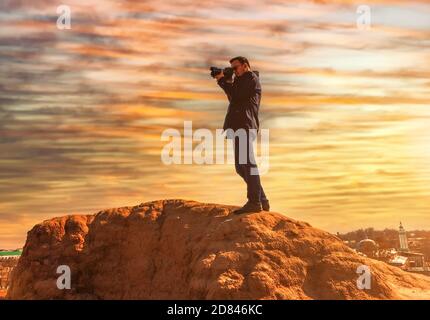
[82, 110]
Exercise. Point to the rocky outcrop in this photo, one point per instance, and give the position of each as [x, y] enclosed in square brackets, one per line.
[177, 249]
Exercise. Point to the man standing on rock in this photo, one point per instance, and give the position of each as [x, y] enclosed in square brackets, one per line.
[244, 95]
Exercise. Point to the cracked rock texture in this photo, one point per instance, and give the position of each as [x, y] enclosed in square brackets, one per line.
[178, 249]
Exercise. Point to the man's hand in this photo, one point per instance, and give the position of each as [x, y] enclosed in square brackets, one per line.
[219, 76]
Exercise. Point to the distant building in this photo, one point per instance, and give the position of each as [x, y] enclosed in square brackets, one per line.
[368, 247]
[416, 261]
[406, 259]
[403, 239]
[8, 254]
[399, 261]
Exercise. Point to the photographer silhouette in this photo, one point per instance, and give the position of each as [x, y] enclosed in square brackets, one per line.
[244, 95]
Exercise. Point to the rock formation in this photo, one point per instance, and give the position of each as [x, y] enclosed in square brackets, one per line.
[177, 249]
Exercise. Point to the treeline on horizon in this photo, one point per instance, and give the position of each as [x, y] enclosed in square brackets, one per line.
[373, 234]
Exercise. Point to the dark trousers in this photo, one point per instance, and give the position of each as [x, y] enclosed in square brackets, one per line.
[244, 165]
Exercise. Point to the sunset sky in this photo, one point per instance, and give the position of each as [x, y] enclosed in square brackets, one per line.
[82, 110]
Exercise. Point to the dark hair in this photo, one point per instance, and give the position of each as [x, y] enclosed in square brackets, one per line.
[242, 60]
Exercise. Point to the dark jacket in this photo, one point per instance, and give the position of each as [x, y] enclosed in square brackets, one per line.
[244, 95]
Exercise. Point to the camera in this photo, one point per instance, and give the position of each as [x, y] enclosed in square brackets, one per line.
[228, 72]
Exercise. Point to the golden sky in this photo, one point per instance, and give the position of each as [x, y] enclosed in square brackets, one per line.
[82, 110]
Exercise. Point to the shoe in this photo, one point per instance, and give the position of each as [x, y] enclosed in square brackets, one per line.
[249, 207]
[265, 204]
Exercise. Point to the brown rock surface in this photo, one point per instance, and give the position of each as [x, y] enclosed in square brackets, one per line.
[177, 249]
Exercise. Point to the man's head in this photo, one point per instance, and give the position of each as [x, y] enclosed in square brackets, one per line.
[240, 65]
